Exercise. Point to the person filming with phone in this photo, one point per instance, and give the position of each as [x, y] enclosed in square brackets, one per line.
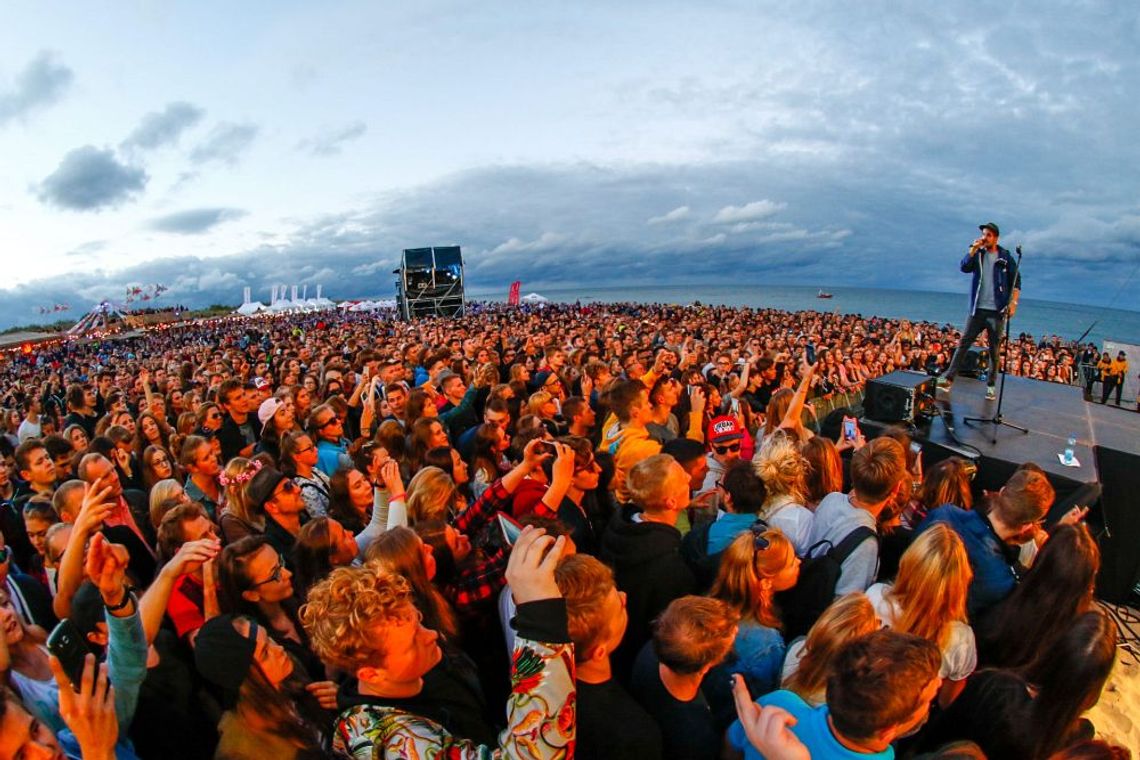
[994, 292]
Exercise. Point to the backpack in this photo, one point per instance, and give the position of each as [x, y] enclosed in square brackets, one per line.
[802, 604]
[695, 552]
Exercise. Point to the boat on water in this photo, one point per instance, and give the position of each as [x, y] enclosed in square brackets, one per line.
[822, 294]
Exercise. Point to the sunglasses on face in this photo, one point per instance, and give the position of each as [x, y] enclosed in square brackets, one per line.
[727, 448]
[328, 422]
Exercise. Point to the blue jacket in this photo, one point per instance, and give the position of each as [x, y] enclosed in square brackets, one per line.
[1006, 278]
[993, 562]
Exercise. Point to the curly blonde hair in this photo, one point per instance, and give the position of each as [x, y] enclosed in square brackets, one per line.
[345, 609]
[783, 469]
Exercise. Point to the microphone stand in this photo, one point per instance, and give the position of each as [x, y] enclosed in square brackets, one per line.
[996, 420]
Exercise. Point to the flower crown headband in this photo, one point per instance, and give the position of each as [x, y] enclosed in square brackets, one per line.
[242, 477]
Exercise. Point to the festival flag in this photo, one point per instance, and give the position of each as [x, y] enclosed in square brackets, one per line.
[513, 300]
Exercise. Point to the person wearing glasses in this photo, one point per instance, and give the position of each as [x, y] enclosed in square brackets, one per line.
[277, 499]
[725, 440]
[326, 428]
[254, 580]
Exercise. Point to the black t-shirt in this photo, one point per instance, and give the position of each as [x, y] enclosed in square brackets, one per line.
[687, 728]
[612, 726]
[452, 696]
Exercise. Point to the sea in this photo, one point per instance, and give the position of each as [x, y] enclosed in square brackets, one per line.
[1036, 317]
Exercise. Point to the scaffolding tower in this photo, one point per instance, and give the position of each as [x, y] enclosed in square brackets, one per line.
[430, 283]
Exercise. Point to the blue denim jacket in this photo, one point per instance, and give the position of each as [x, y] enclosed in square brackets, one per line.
[994, 565]
[1006, 278]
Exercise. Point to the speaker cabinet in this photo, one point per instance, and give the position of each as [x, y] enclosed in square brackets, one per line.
[975, 362]
[898, 397]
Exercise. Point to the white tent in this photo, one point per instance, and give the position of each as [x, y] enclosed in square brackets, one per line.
[248, 307]
[534, 298]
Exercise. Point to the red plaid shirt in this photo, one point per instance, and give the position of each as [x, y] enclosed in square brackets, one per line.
[482, 577]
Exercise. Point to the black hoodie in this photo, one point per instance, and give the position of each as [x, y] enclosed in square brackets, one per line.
[647, 564]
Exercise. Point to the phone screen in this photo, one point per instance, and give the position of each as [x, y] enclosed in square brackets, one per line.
[850, 429]
[509, 528]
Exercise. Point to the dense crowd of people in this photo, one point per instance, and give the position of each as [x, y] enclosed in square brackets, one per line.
[605, 531]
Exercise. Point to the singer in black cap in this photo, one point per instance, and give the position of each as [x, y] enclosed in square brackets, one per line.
[994, 293]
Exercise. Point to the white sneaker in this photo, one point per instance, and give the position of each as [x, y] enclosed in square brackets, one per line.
[991, 393]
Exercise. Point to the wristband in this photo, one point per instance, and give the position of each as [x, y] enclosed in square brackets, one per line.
[397, 496]
[128, 598]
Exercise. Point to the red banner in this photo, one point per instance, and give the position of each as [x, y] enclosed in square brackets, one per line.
[513, 299]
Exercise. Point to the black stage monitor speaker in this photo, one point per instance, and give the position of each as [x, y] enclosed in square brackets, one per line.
[898, 397]
[1120, 534]
[976, 361]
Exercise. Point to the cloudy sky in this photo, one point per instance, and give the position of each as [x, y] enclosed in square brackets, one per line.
[211, 145]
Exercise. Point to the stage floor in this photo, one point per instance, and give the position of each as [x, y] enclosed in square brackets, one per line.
[1052, 412]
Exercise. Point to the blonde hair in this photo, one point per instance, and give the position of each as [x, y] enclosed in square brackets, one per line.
[345, 610]
[168, 488]
[431, 493]
[237, 501]
[744, 566]
[930, 589]
[537, 400]
[782, 467]
[648, 481]
[585, 583]
[847, 618]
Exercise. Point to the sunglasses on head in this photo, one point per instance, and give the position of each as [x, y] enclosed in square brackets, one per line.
[759, 542]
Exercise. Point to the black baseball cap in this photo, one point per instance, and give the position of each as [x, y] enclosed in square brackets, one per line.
[991, 227]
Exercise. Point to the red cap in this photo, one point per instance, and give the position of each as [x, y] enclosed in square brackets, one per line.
[724, 429]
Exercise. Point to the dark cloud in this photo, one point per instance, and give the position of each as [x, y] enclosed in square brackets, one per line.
[858, 223]
[195, 221]
[330, 144]
[163, 127]
[90, 179]
[225, 143]
[41, 83]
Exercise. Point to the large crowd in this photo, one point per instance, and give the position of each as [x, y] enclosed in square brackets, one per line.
[603, 531]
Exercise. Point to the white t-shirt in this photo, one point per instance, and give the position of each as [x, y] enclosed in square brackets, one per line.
[794, 520]
[959, 655]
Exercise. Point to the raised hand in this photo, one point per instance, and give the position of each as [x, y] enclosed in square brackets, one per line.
[697, 399]
[106, 566]
[94, 508]
[535, 453]
[192, 556]
[767, 728]
[390, 475]
[90, 713]
[563, 470]
[530, 570]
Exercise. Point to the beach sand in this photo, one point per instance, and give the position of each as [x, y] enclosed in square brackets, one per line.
[1117, 715]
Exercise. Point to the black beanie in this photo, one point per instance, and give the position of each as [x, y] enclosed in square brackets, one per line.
[223, 655]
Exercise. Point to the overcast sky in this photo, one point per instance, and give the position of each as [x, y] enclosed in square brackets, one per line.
[210, 145]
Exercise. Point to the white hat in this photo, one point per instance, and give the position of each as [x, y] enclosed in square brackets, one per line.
[268, 408]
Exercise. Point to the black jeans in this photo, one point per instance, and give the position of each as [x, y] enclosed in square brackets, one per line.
[993, 322]
[1112, 382]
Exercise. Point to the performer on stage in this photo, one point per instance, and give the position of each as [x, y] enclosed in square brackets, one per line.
[993, 298]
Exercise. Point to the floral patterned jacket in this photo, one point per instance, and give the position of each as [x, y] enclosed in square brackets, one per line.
[540, 711]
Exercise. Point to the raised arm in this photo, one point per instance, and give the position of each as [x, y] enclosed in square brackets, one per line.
[92, 513]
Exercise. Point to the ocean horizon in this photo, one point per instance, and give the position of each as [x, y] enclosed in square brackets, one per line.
[1036, 317]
